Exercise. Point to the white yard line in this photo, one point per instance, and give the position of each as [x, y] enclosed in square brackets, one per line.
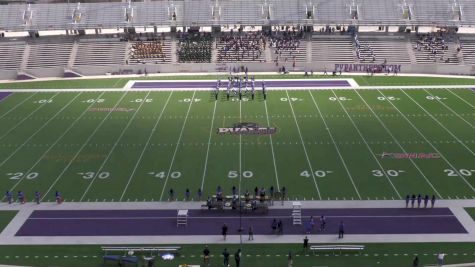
[209, 144]
[400, 146]
[240, 148]
[272, 148]
[438, 122]
[57, 140]
[38, 130]
[177, 145]
[145, 147]
[83, 145]
[335, 145]
[466, 102]
[24, 119]
[17, 105]
[303, 145]
[433, 147]
[114, 146]
[451, 110]
[367, 145]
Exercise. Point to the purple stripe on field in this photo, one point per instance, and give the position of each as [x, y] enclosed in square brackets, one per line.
[208, 84]
[4, 95]
[163, 222]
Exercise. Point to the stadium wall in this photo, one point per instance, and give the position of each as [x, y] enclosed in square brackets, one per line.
[213, 67]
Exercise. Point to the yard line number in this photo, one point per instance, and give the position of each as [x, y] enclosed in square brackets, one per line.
[90, 175]
[430, 97]
[318, 173]
[340, 98]
[235, 174]
[464, 172]
[388, 98]
[163, 174]
[381, 173]
[18, 175]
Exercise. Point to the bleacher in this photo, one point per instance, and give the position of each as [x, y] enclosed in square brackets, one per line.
[195, 48]
[49, 54]
[332, 48]
[284, 49]
[468, 51]
[155, 52]
[11, 54]
[240, 47]
[425, 55]
[393, 49]
[100, 52]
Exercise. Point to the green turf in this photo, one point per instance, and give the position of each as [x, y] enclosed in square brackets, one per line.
[120, 82]
[71, 142]
[471, 212]
[396, 255]
[5, 217]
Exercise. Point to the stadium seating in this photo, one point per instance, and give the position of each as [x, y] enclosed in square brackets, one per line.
[332, 48]
[195, 48]
[11, 54]
[100, 52]
[156, 51]
[468, 51]
[288, 48]
[49, 54]
[443, 49]
[243, 47]
[393, 49]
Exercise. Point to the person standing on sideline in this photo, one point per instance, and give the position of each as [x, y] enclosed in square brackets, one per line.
[413, 200]
[237, 257]
[206, 256]
[415, 262]
[251, 234]
[323, 222]
[37, 197]
[187, 194]
[407, 200]
[58, 197]
[9, 197]
[290, 261]
[305, 244]
[341, 230]
[419, 200]
[274, 226]
[280, 227]
[440, 259]
[226, 257]
[200, 194]
[312, 223]
[224, 231]
[432, 201]
[426, 200]
[172, 194]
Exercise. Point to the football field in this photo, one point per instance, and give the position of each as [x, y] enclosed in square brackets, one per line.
[329, 144]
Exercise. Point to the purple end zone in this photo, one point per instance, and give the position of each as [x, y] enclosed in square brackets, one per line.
[203, 222]
[212, 84]
[4, 95]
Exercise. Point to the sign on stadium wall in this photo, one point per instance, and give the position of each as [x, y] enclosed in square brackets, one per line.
[367, 67]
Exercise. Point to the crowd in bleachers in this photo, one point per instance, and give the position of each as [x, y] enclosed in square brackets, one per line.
[363, 52]
[195, 47]
[147, 50]
[435, 44]
[241, 46]
[285, 43]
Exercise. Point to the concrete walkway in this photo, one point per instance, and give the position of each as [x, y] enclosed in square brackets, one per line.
[8, 235]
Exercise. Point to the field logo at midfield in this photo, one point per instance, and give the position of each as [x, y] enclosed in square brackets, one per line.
[391, 155]
[247, 128]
